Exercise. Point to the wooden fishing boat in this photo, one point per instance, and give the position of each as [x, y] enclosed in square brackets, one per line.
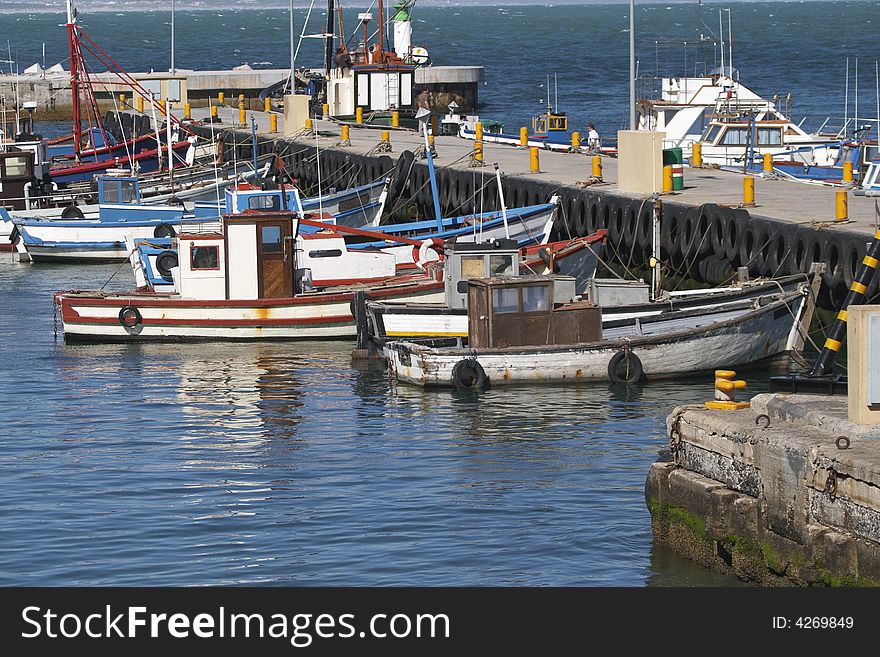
[517, 334]
[243, 283]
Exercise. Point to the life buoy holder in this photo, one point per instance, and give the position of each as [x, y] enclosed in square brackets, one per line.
[420, 252]
[625, 367]
[469, 374]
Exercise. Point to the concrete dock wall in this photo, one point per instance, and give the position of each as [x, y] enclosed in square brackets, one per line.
[787, 492]
[706, 242]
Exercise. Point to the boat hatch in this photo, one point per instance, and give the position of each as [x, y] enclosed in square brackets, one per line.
[118, 190]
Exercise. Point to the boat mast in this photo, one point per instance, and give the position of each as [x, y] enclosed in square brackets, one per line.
[328, 36]
[74, 77]
[632, 65]
[172, 37]
[381, 31]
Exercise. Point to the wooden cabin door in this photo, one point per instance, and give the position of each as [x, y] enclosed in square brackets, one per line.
[275, 259]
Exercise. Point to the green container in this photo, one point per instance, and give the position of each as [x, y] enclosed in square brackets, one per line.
[673, 157]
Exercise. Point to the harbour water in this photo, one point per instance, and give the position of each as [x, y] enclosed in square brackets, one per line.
[779, 47]
[279, 463]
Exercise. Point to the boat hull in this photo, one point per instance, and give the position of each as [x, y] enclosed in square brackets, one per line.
[757, 336]
[93, 317]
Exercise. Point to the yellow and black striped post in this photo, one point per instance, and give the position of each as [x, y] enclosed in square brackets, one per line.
[856, 295]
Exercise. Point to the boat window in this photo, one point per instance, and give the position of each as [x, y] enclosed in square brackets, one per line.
[271, 203]
[16, 166]
[326, 253]
[711, 133]
[270, 237]
[501, 265]
[205, 257]
[505, 300]
[472, 267]
[559, 123]
[735, 136]
[536, 298]
[769, 136]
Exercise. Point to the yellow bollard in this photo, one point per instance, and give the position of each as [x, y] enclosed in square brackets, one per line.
[575, 140]
[359, 115]
[273, 123]
[345, 135]
[841, 206]
[395, 119]
[309, 124]
[768, 162]
[478, 131]
[697, 155]
[725, 392]
[597, 166]
[386, 137]
[523, 137]
[141, 104]
[478, 151]
[435, 124]
[240, 98]
[221, 98]
[242, 115]
[187, 111]
[667, 179]
[848, 171]
[431, 144]
[213, 111]
[534, 160]
[268, 105]
[748, 190]
[122, 100]
[325, 110]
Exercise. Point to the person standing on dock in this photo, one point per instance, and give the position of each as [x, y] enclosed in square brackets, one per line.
[593, 141]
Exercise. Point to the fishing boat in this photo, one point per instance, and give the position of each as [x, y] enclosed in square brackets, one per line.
[243, 283]
[94, 150]
[519, 333]
[575, 260]
[101, 236]
[619, 300]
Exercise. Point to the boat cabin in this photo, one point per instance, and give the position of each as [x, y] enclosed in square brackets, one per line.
[468, 260]
[549, 122]
[16, 178]
[118, 189]
[519, 311]
[374, 88]
[253, 259]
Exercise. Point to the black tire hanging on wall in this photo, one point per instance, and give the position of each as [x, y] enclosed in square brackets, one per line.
[164, 230]
[469, 374]
[625, 367]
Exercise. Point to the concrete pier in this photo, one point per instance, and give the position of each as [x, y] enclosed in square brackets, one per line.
[706, 231]
[787, 492]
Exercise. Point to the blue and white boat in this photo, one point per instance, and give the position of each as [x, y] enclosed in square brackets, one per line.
[101, 237]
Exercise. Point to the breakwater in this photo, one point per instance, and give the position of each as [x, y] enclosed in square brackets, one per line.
[706, 241]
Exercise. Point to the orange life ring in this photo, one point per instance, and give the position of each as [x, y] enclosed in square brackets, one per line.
[420, 252]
